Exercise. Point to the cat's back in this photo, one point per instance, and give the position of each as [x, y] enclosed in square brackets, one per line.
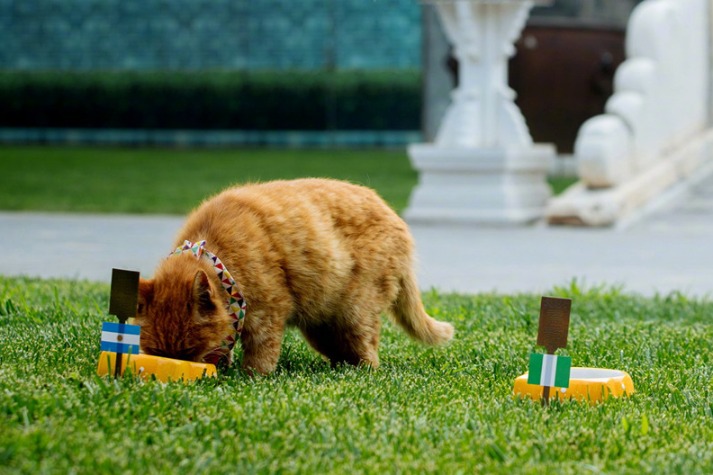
[308, 194]
[293, 210]
[312, 199]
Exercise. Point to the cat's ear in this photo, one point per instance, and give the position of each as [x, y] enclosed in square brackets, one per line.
[203, 293]
[146, 290]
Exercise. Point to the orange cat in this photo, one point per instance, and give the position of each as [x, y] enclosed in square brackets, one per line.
[325, 256]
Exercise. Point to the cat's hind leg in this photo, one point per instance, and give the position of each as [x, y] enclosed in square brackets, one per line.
[353, 343]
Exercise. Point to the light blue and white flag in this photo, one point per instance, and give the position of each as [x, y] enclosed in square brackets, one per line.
[120, 338]
[549, 370]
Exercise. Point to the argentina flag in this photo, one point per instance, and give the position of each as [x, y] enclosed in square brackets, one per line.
[120, 338]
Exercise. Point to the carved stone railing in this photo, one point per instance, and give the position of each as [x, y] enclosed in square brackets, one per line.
[655, 131]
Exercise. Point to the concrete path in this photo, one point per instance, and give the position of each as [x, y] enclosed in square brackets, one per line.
[83, 246]
[667, 248]
[670, 250]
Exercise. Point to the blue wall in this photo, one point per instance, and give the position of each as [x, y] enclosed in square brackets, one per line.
[209, 34]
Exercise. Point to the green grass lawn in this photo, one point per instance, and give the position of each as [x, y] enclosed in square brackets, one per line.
[447, 410]
[173, 181]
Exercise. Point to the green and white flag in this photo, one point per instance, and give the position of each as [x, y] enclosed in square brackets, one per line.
[549, 370]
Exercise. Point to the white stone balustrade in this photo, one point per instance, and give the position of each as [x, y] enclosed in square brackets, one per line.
[655, 129]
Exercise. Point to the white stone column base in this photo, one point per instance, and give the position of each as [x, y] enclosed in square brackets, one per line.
[616, 205]
[465, 185]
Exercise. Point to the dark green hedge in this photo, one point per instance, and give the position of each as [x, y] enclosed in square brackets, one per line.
[362, 100]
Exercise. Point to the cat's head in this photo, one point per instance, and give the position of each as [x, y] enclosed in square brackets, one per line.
[182, 313]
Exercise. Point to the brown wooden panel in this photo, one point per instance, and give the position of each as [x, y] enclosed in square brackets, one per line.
[563, 75]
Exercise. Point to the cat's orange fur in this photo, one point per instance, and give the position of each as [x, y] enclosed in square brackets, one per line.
[326, 256]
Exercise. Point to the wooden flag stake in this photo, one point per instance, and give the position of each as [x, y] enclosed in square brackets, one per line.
[123, 301]
[553, 329]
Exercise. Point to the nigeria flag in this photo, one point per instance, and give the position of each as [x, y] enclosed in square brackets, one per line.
[549, 370]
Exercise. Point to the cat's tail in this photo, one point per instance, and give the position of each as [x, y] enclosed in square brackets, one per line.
[409, 313]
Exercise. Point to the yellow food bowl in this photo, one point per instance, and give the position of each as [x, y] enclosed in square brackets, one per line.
[585, 384]
[164, 369]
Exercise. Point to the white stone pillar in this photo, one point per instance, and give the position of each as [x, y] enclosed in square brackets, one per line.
[483, 166]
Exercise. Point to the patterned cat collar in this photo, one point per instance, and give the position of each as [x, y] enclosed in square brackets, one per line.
[236, 303]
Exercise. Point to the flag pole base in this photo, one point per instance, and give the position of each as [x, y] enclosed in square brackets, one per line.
[585, 384]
